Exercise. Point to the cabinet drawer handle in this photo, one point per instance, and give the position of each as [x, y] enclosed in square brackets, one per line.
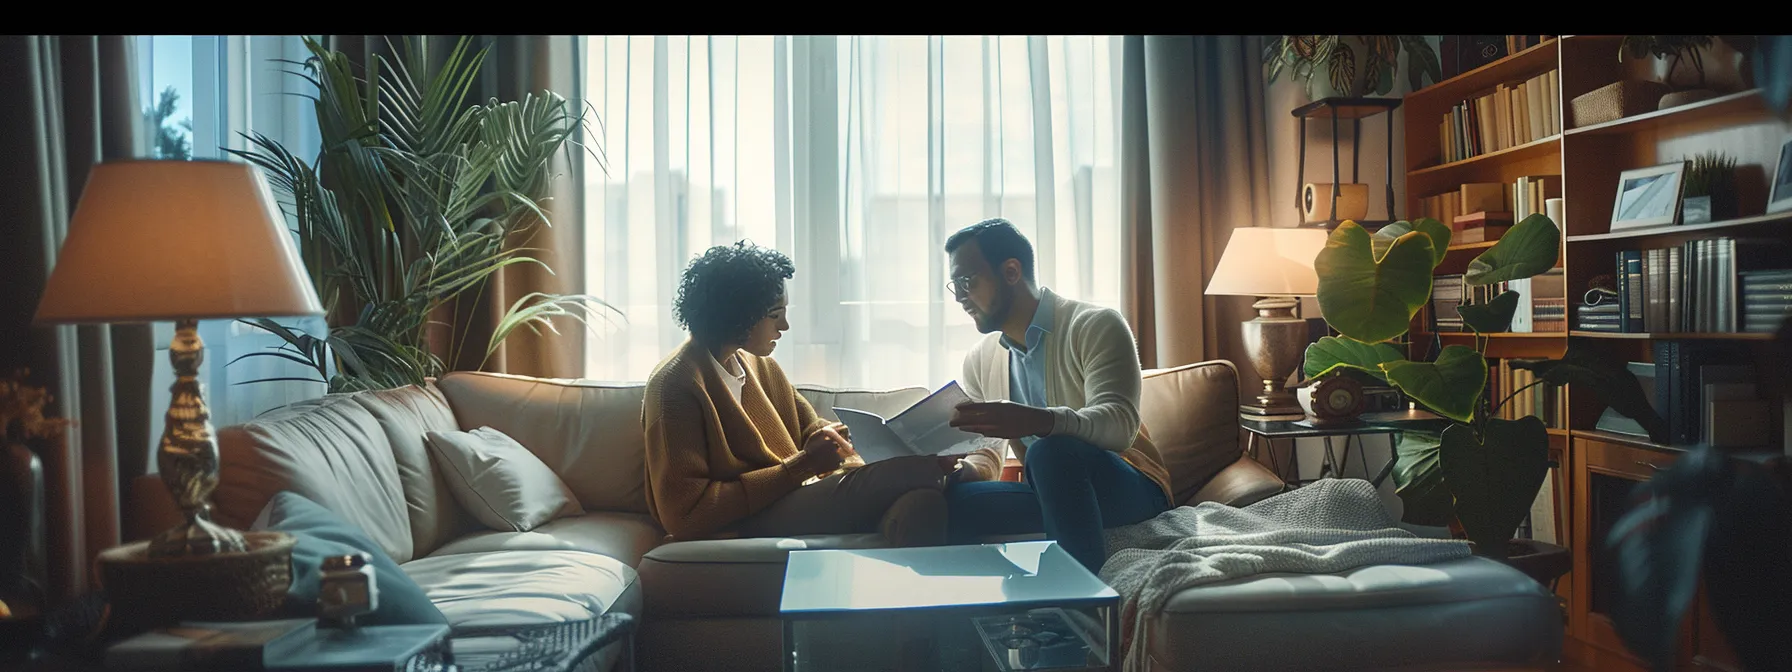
[1650, 465]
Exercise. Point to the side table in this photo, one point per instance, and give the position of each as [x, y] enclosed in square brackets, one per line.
[1391, 423]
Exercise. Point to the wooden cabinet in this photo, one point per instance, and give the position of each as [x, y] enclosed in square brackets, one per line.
[1604, 474]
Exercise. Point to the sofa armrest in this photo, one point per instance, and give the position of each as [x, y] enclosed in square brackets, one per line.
[1243, 482]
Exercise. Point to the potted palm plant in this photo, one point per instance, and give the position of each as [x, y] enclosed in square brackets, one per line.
[417, 198]
[1480, 471]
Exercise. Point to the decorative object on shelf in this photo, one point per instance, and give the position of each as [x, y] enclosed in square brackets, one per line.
[1617, 100]
[1462, 53]
[177, 241]
[1481, 470]
[1649, 197]
[1346, 73]
[1332, 401]
[1779, 193]
[1327, 204]
[1710, 190]
[346, 590]
[409, 157]
[1277, 265]
[1675, 48]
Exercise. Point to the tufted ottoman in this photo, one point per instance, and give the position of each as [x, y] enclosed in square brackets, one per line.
[1463, 614]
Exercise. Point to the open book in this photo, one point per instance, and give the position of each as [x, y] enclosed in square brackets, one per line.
[921, 429]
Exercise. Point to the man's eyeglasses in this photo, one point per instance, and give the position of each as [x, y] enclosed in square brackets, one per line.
[960, 285]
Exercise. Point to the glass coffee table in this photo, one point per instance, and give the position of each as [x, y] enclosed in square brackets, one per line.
[992, 607]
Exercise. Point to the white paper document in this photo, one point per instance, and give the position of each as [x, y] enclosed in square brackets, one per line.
[923, 429]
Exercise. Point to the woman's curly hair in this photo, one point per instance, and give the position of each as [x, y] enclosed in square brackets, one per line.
[728, 290]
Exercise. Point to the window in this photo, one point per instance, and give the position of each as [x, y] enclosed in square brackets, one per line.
[856, 156]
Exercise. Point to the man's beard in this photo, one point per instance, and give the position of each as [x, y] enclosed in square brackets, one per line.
[990, 322]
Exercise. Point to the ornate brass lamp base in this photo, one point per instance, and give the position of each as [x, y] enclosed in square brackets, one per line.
[1276, 341]
[188, 459]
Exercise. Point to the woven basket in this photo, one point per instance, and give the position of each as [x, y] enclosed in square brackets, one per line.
[1615, 101]
[147, 592]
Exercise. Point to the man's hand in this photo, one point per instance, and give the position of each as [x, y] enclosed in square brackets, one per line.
[1002, 419]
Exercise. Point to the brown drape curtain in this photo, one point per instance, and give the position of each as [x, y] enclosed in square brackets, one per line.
[1195, 165]
[73, 103]
[516, 64]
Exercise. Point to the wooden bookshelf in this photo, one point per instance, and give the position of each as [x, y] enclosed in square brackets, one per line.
[1588, 160]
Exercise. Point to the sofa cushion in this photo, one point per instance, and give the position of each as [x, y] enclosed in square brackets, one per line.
[623, 536]
[330, 450]
[406, 413]
[728, 577]
[1191, 414]
[522, 587]
[1449, 614]
[500, 482]
[318, 533]
[589, 433]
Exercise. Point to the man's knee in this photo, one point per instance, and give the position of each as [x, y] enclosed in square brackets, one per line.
[1060, 454]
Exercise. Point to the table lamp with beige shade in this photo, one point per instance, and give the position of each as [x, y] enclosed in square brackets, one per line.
[180, 241]
[1275, 264]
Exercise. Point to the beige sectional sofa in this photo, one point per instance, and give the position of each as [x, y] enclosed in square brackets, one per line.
[713, 605]
[703, 604]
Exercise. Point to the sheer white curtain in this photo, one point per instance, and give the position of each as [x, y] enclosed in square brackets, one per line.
[856, 156]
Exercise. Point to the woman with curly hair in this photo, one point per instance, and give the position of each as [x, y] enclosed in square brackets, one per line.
[733, 450]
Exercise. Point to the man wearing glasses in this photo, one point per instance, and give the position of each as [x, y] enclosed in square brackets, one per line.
[1059, 380]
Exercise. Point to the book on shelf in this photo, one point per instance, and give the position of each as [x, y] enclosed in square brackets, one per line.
[1725, 285]
[1681, 369]
[1542, 305]
[1508, 115]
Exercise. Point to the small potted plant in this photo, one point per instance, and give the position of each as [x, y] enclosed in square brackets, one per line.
[1710, 191]
[1475, 469]
[1353, 65]
[22, 421]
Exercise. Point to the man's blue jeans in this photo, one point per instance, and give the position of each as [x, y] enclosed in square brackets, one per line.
[1073, 491]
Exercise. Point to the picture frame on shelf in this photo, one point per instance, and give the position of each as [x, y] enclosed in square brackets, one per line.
[1649, 197]
[1779, 192]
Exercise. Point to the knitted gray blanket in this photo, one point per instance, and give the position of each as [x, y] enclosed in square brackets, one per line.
[1329, 526]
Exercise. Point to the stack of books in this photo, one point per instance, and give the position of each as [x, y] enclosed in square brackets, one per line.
[1766, 300]
[1598, 311]
[1701, 286]
[1447, 292]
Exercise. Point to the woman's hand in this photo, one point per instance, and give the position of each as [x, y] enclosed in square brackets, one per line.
[824, 452]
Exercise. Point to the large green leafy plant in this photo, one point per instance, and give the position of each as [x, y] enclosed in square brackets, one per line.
[1482, 470]
[416, 198]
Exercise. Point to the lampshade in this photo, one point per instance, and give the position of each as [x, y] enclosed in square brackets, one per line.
[1261, 261]
[167, 240]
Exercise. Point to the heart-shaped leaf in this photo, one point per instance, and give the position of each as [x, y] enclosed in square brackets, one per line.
[1529, 248]
[1436, 230]
[1368, 300]
[1589, 369]
[1451, 385]
[1659, 543]
[1419, 481]
[1331, 353]
[1494, 477]
[1492, 317]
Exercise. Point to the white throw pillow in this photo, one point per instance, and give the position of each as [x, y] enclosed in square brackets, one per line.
[499, 481]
